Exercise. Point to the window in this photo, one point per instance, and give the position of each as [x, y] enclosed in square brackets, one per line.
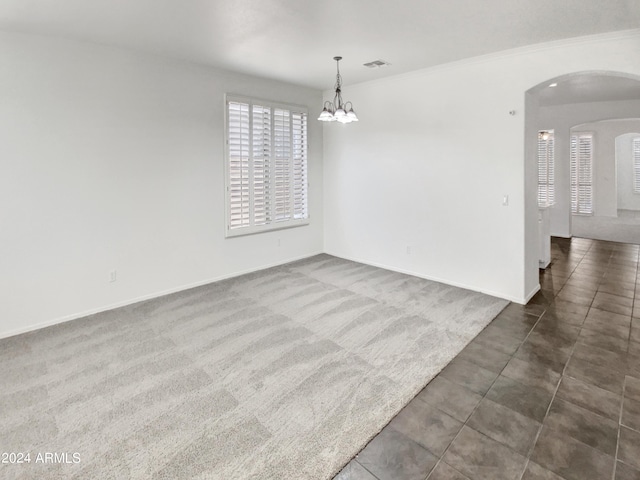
[546, 187]
[635, 153]
[266, 166]
[581, 173]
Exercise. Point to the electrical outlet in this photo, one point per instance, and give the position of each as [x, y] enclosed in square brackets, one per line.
[279, 242]
[113, 276]
[408, 250]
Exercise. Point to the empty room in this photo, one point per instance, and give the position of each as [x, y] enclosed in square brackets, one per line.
[356, 240]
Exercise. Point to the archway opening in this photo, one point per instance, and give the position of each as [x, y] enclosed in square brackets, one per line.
[560, 104]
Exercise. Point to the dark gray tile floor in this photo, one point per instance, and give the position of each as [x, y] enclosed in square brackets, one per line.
[550, 390]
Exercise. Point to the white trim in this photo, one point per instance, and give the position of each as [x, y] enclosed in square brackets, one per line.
[142, 298]
[635, 162]
[294, 107]
[438, 279]
[531, 294]
[513, 52]
[271, 227]
[549, 167]
[274, 224]
[592, 167]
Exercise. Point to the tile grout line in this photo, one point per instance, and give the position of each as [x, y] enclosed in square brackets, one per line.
[355, 458]
[483, 397]
[365, 468]
[473, 411]
[624, 384]
[530, 452]
[533, 445]
[601, 279]
[615, 461]
[573, 271]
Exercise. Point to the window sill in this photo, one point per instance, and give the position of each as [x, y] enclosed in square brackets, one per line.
[244, 231]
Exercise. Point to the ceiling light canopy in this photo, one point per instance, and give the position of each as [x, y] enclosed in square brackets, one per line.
[338, 110]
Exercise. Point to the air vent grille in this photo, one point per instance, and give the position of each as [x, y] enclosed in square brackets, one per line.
[377, 64]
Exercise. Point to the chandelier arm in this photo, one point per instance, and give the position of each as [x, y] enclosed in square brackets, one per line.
[337, 99]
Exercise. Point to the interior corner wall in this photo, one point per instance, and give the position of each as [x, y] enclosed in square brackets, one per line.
[561, 118]
[418, 184]
[113, 160]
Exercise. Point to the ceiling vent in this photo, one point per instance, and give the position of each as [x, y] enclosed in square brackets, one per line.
[377, 64]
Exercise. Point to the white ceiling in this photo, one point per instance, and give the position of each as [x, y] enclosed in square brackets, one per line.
[295, 40]
[590, 88]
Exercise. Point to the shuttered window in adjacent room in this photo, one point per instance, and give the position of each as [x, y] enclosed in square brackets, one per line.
[582, 173]
[635, 152]
[546, 186]
[266, 168]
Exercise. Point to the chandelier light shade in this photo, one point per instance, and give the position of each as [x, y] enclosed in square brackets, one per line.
[338, 111]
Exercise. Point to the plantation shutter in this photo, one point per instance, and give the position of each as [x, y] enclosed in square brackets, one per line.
[261, 140]
[546, 181]
[636, 164]
[299, 165]
[239, 191]
[282, 174]
[267, 167]
[581, 173]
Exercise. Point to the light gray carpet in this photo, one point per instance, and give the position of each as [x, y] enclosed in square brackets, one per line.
[281, 374]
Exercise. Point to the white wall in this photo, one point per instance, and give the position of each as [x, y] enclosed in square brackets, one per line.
[561, 119]
[434, 154]
[114, 160]
[628, 199]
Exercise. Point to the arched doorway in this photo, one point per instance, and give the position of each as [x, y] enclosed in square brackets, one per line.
[559, 104]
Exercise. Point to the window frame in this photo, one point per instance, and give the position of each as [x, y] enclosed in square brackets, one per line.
[635, 161]
[591, 184]
[548, 187]
[273, 224]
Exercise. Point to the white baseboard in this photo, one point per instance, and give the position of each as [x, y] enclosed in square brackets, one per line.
[437, 279]
[181, 288]
[142, 298]
[531, 294]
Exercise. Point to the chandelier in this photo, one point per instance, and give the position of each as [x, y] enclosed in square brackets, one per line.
[338, 110]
